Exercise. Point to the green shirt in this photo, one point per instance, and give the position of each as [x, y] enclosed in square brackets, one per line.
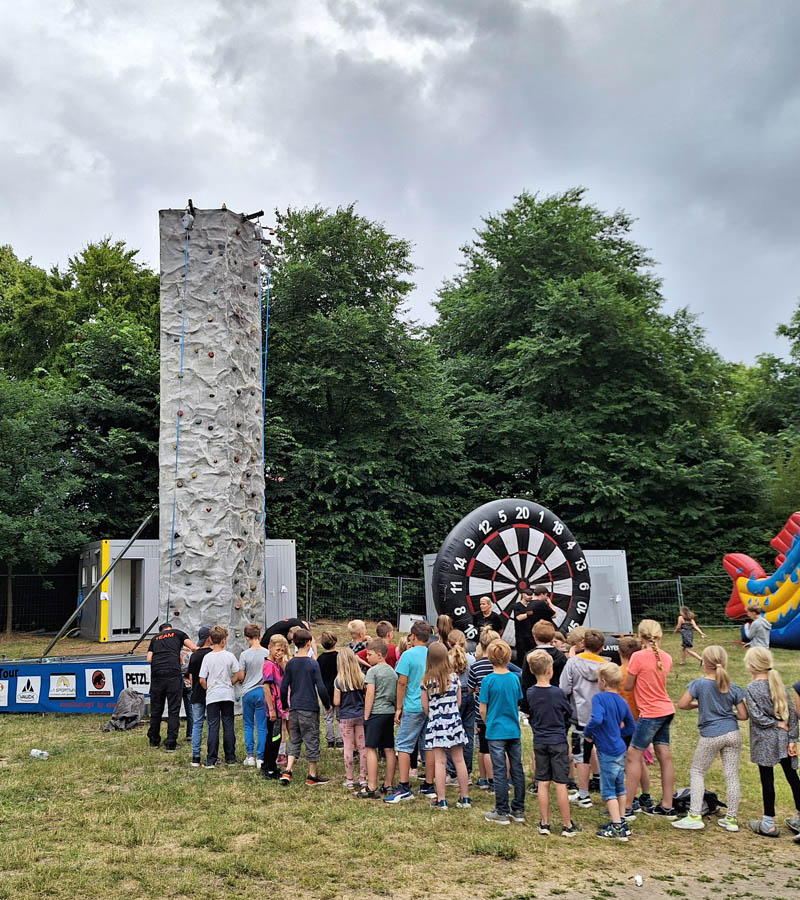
[385, 680]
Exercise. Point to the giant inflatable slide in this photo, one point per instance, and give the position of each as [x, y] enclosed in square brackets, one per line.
[778, 594]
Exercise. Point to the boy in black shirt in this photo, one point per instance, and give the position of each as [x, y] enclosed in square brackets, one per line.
[198, 692]
[166, 682]
[523, 620]
[302, 684]
[549, 718]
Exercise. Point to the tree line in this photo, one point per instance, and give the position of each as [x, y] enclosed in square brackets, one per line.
[552, 371]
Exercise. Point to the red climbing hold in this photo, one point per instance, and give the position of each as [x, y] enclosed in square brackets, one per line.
[211, 353]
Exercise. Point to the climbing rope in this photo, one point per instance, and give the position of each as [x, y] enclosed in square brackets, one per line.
[264, 357]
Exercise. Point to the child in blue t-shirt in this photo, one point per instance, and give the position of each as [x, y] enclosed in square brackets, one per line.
[500, 694]
[610, 723]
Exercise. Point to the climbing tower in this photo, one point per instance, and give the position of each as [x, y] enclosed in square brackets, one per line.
[211, 462]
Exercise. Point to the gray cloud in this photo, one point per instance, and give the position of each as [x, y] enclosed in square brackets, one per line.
[430, 115]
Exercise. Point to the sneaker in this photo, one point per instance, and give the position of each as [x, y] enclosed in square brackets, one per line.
[570, 830]
[659, 810]
[427, 789]
[583, 802]
[451, 781]
[172, 749]
[544, 828]
[366, 794]
[482, 784]
[314, 780]
[259, 763]
[464, 803]
[729, 823]
[210, 765]
[272, 776]
[594, 784]
[399, 794]
[636, 806]
[793, 824]
[286, 778]
[572, 785]
[439, 804]
[195, 762]
[625, 829]
[611, 832]
[249, 761]
[497, 818]
[533, 788]
[755, 827]
[796, 839]
[155, 745]
[231, 762]
[517, 816]
[491, 784]
[630, 815]
[645, 802]
[690, 823]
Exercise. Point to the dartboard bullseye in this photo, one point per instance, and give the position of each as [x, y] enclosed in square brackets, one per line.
[502, 548]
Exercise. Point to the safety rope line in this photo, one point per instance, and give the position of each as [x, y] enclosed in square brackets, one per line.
[179, 411]
[264, 357]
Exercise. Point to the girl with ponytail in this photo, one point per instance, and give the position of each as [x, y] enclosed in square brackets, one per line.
[720, 704]
[647, 678]
[773, 736]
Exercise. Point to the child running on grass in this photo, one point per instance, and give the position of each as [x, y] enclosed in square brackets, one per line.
[720, 703]
[348, 695]
[773, 736]
[500, 694]
[611, 719]
[647, 678]
[687, 625]
[550, 714]
[441, 695]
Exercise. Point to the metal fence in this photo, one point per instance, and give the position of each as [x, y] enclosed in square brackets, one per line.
[347, 595]
[39, 602]
[706, 595]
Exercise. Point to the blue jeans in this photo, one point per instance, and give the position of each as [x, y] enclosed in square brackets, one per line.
[612, 775]
[467, 711]
[512, 748]
[198, 717]
[253, 711]
[651, 731]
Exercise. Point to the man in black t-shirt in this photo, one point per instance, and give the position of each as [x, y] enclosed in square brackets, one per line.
[542, 606]
[485, 617]
[283, 627]
[523, 622]
[166, 682]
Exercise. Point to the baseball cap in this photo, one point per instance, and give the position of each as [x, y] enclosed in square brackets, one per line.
[202, 633]
[540, 589]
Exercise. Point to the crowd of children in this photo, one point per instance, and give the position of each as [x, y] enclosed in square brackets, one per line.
[418, 703]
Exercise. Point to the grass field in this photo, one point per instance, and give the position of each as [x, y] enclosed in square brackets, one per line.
[108, 817]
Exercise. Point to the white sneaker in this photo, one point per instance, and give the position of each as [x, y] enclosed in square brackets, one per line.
[690, 823]
[249, 761]
[259, 763]
[451, 781]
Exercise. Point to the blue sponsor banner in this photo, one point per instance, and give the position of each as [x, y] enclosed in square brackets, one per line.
[70, 684]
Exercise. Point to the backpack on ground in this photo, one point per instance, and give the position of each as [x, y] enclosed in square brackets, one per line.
[711, 802]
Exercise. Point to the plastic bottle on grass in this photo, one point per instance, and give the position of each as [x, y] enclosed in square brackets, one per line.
[40, 754]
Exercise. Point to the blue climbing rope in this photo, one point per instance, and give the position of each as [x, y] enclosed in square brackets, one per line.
[264, 357]
[180, 409]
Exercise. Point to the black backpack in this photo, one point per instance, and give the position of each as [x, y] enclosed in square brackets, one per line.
[711, 802]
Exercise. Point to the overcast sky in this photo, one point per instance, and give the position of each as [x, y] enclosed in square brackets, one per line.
[428, 115]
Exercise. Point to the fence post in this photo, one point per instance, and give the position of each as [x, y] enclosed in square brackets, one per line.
[680, 590]
[308, 596]
[399, 599]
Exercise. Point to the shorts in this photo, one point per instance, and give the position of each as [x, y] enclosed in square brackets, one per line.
[483, 744]
[612, 775]
[581, 747]
[412, 725]
[304, 729]
[379, 731]
[651, 731]
[552, 762]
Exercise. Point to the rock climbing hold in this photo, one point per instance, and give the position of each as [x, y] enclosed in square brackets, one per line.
[198, 421]
[212, 396]
[253, 587]
[236, 459]
[238, 424]
[210, 427]
[210, 318]
[176, 535]
[215, 462]
[208, 509]
[246, 559]
[180, 412]
[238, 341]
[194, 474]
[176, 612]
[258, 571]
[244, 531]
[238, 606]
[180, 484]
[210, 542]
[241, 485]
[187, 582]
[211, 353]
[208, 590]
[196, 350]
[241, 593]
[235, 580]
[178, 563]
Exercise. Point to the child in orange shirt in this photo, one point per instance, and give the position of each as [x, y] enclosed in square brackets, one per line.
[627, 647]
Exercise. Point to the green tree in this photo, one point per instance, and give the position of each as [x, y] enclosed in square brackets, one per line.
[574, 388]
[41, 519]
[362, 458]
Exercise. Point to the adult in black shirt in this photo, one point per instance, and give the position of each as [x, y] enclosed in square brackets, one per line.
[542, 606]
[485, 617]
[282, 627]
[166, 682]
[523, 622]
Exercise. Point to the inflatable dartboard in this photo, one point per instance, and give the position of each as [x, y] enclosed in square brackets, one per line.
[501, 548]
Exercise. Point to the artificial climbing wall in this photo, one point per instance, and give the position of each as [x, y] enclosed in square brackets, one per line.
[211, 482]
